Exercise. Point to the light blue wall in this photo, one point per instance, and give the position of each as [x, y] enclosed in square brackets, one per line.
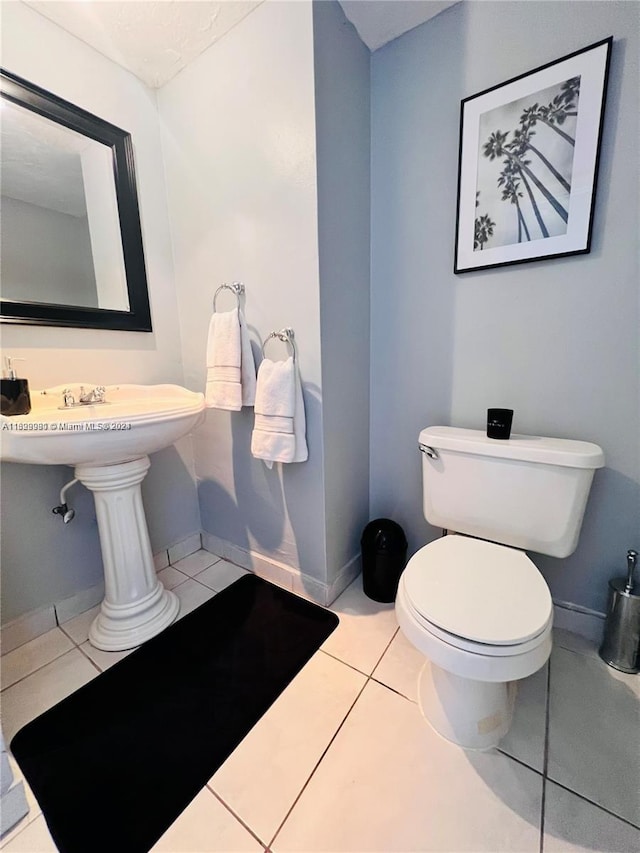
[270, 185]
[45, 561]
[555, 340]
[239, 152]
[342, 153]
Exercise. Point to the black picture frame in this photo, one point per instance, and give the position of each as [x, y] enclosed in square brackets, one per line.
[138, 317]
[521, 200]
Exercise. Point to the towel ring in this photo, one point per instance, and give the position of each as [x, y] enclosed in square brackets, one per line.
[285, 335]
[237, 287]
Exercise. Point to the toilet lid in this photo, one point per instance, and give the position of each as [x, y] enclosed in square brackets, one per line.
[485, 592]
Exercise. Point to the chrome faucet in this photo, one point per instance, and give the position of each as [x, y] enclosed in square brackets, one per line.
[85, 398]
[96, 395]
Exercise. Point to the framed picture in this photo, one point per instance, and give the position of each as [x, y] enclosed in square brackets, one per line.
[528, 163]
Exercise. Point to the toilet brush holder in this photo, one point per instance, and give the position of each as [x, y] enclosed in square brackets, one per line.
[621, 642]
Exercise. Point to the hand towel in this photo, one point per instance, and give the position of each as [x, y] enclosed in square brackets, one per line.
[279, 433]
[231, 371]
[247, 364]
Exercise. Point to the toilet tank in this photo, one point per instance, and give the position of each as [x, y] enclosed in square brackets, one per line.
[528, 491]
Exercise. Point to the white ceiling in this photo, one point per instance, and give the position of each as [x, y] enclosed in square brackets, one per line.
[155, 39]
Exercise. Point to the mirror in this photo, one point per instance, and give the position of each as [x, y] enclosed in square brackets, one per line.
[72, 251]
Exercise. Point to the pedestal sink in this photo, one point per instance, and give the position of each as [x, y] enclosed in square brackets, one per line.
[108, 445]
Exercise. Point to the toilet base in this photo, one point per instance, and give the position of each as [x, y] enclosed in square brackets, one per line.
[472, 714]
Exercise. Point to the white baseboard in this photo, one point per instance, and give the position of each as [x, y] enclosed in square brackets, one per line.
[346, 575]
[177, 551]
[186, 546]
[37, 622]
[579, 620]
[27, 627]
[281, 574]
[78, 603]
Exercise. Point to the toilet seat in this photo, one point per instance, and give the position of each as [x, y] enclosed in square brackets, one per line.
[486, 649]
[465, 658]
[477, 595]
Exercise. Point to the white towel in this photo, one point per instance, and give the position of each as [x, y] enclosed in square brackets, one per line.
[279, 433]
[231, 370]
[247, 364]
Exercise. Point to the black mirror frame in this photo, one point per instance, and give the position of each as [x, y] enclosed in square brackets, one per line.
[138, 317]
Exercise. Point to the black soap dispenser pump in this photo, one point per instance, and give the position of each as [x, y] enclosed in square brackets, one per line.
[14, 392]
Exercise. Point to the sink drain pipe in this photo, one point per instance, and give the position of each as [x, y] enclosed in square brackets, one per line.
[63, 510]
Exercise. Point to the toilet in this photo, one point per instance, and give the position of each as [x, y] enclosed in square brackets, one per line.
[472, 601]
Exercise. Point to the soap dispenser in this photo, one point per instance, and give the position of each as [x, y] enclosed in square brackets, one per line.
[14, 392]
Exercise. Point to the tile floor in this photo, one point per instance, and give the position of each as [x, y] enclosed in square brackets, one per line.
[343, 760]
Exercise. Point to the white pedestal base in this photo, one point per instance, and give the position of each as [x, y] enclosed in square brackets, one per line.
[472, 714]
[136, 606]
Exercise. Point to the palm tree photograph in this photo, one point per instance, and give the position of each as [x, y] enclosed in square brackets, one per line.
[525, 163]
[528, 165]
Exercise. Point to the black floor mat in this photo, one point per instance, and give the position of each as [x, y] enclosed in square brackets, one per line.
[115, 763]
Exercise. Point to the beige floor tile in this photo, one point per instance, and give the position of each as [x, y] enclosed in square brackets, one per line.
[34, 694]
[34, 838]
[573, 824]
[78, 627]
[171, 577]
[594, 720]
[32, 655]
[525, 739]
[264, 775]
[388, 783]
[400, 667]
[221, 574]
[103, 660]
[365, 629]
[399, 670]
[192, 594]
[206, 826]
[195, 563]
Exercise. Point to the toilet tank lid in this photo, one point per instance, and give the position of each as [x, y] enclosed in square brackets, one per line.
[526, 448]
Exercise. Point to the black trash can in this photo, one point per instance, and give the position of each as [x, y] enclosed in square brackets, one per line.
[384, 555]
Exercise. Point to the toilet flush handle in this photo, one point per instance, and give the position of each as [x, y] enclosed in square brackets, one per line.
[431, 452]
